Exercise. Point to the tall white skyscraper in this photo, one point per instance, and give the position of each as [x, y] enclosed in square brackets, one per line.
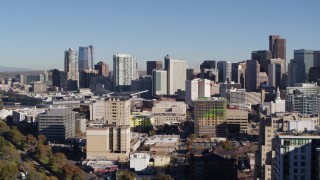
[124, 71]
[176, 74]
[71, 65]
[159, 82]
[197, 88]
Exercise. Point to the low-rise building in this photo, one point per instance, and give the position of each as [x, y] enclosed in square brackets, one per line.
[141, 119]
[169, 112]
[139, 161]
[29, 115]
[237, 120]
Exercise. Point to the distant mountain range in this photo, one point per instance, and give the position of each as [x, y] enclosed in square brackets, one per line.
[12, 69]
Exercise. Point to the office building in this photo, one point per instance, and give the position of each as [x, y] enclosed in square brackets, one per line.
[262, 56]
[208, 64]
[59, 79]
[144, 83]
[303, 103]
[124, 71]
[71, 67]
[152, 65]
[210, 116]
[275, 71]
[109, 142]
[39, 86]
[316, 58]
[226, 86]
[224, 68]
[296, 72]
[166, 112]
[102, 68]
[86, 76]
[314, 74]
[237, 120]
[117, 110]
[305, 88]
[305, 56]
[240, 96]
[176, 74]
[254, 78]
[57, 124]
[97, 111]
[197, 88]
[277, 46]
[159, 82]
[86, 58]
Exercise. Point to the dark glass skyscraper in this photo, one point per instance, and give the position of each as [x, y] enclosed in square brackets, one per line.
[277, 46]
[86, 58]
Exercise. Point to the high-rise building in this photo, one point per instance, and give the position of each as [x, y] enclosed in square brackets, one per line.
[277, 46]
[57, 124]
[254, 78]
[275, 71]
[176, 74]
[112, 140]
[86, 58]
[59, 78]
[316, 58]
[159, 82]
[314, 74]
[296, 72]
[197, 88]
[307, 57]
[144, 83]
[71, 65]
[151, 65]
[85, 77]
[208, 64]
[103, 68]
[262, 56]
[210, 116]
[124, 71]
[224, 68]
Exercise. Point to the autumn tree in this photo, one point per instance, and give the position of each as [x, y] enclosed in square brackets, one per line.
[226, 145]
[57, 158]
[71, 171]
[8, 170]
[125, 175]
[163, 177]
[42, 139]
[43, 150]
[3, 127]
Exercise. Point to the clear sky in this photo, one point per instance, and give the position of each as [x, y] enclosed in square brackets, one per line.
[34, 34]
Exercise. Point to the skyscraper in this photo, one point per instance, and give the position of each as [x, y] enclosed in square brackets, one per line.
[71, 66]
[151, 65]
[254, 78]
[262, 56]
[124, 71]
[86, 58]
[307, 57]
[296, 72]
[177, 75]
[277, 46]
[159, 82]
[316, 58]
[224, 68]
[103, 68]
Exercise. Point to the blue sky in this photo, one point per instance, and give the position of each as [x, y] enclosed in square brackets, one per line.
[34, 34]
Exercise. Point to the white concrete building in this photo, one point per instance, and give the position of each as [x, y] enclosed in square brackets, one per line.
[169, 112]
[81, 124]
[176, 74]
[4, 113]
[97, 110]
[26, 114]
[159, 82]
[197, 88]
[139, 161]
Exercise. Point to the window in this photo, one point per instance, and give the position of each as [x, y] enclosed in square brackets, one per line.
[295, 156]
[303, 164]
[295, 170]
[303, 171]
[295, 163]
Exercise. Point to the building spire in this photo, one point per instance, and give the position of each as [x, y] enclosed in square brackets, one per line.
[278, 94]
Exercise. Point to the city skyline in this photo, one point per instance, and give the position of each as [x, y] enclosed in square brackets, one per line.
[35, 33]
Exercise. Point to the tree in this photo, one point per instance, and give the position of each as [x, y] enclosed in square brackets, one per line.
[125, 175]
[31, 140]
[72, 172]
[226, 145]
[27, 167]
[8, 170]
[152, 133]
[163, 177]
[57, 158]
[42, 139]
[3, 127]
[192, 137]
[43, 150]
[16, 136]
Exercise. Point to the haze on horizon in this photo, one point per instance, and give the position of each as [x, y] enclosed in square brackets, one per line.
[34, 34]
